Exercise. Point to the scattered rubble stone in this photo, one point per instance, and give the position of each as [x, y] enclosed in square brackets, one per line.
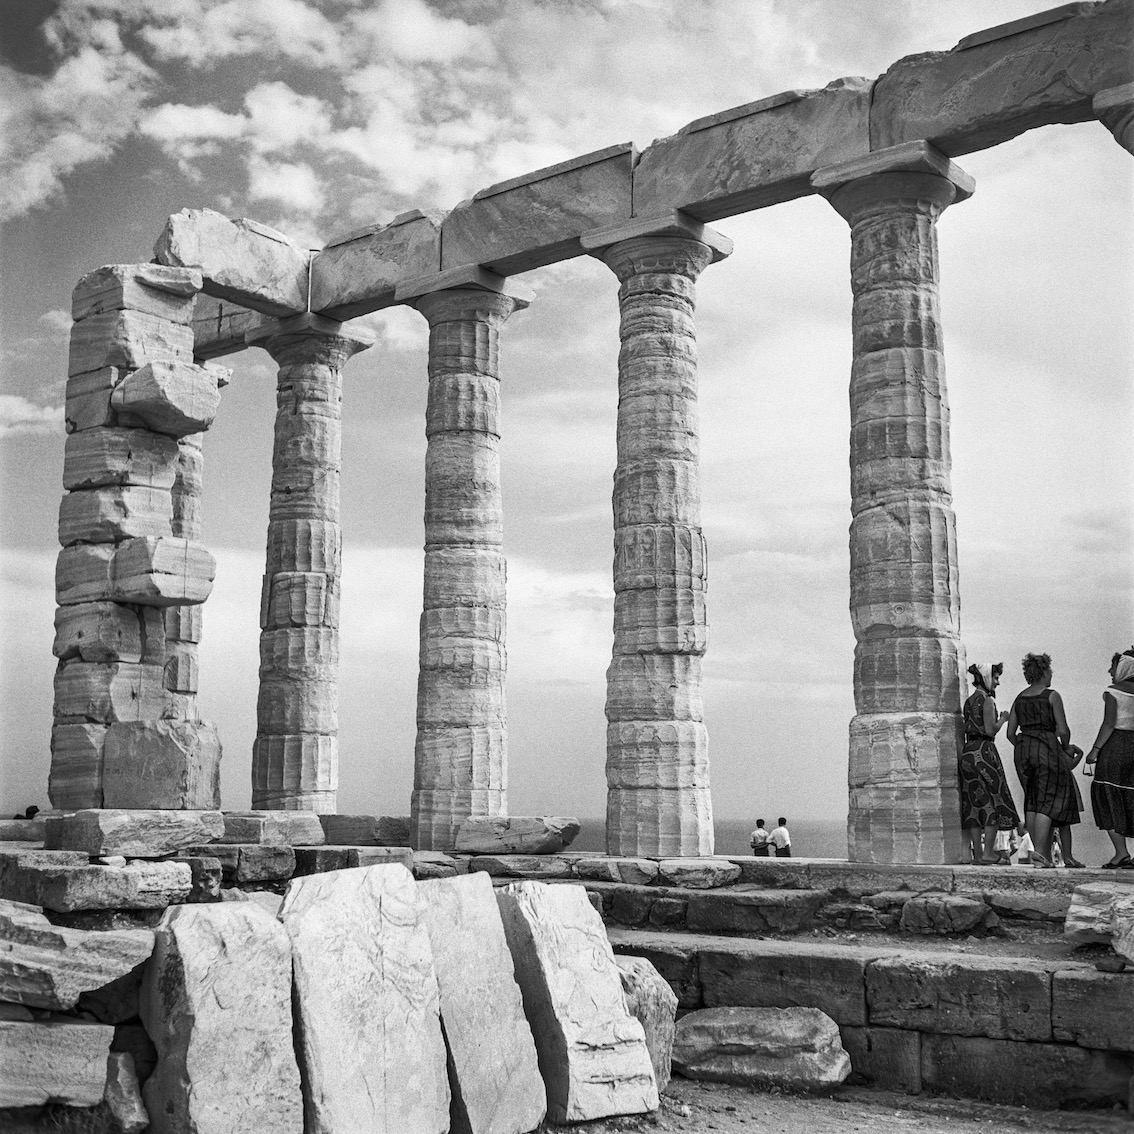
[653, 1004]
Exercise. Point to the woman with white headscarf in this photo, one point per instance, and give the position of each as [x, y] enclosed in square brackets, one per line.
[1112, 793]
[986, 801]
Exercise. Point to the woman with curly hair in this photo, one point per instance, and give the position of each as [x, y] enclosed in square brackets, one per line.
[986, 801]
[1112, 793]
[1045, 761]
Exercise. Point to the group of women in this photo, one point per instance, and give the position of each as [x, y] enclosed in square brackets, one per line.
[1045, 761]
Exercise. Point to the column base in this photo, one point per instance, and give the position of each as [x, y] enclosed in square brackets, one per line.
[659, 822]
[435, 814]
[904, 803]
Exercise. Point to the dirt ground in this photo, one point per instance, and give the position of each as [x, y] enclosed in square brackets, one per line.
[695, 1108]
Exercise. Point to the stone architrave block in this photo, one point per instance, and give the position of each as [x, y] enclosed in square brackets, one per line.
[98, 632]
[114, 513]
[754, 155]
[105, 692]
[697, 873]
[162, 764]
[53, 1062]
[359, 272]
[888, 1058]
[1093, 1009]
[366, 830]
[794, 1048]
[133, 834]
[367, 1001]
[110, 455]
[239, 260]
[174, 398]
[978, 96]
[635, 871]
[64, 885]
[538, 218]
[167, 571]
[123, 1094]
[127, 340]
[88, 399]
[221, 327]
[49, 966]
[216, 1000]
[152, 289]
[1090, 916]
[493, 1070]
[501, 834]
[521, 866]
[592, 1052]
[273, 828]
[997, 997]
[653, 1004]
[75, 777]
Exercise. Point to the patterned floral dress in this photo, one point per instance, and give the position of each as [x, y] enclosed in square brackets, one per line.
[985, 798]
[1045, 773]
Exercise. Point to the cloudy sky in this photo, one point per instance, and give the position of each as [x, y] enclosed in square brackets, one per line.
[320, 116]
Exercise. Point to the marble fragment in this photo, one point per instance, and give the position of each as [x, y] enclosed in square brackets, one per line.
[943, 914]
[1099, 913]
[152, 289]
[123, 1094]
[635, 871]
[366, 998]
[57, 882]
[221, 970]
[53, 1062]
[514, 834]
[174, 398]
[697, 873]
[162, 764]
[592, 1052]
[493, 1071]
[366, 830]
[135, 833]
[651, 1002]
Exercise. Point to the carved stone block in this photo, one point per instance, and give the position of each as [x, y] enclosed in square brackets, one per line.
[175, 398]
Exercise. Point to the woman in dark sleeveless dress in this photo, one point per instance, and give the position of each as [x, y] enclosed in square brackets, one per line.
[1045, 760]
[1112, 792]
[986, 801]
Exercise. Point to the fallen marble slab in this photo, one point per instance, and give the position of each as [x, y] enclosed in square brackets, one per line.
[368, 1026]
[521, 865]
[216, 1000]
[944, 914]
[493, 1070]
[48, 966]
[51, 1061]
[697, 873]
[65, 886]
[134, 833]
[592, 1052]
[535, 834]
[654, 1005]
[1092, 912]
[793, 1048]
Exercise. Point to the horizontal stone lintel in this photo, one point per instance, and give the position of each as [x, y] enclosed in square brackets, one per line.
[469, 276]
[554, 170]
[909, 157]
[307, 323]
[672, 223]
[1113, 98]
[1027, 23]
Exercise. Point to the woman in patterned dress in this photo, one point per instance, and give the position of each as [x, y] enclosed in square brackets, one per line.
[1045, 760]
[1112, 792]
[986, 801]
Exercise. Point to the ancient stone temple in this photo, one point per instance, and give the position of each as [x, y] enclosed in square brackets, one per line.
[142, 390]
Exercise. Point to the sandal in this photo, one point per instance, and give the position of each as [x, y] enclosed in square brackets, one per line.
[1074, 864]
[1041, 863]
[1122, 864]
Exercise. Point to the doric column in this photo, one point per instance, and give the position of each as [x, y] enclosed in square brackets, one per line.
[905, 605]
[657, 759]
[1114, 108]
[295, 757]
[461, 754]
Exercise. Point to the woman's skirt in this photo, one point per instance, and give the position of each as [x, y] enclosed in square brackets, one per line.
[1047, 778]
[1112, 792]
[985, 798]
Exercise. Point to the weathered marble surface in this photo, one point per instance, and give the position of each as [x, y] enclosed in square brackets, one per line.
[100, 632]
[94, 458]
[135, 833]
[152, 289]
[515, 834]
[216, 1000]
[174, 398]
[697, 873]
[1114, 108]
[653, 1004]
[1093, 1009]
[51, 1061]
[107, 692]
[635, 871]
[220, 327]
[162, 764]
[123, 1095]
[538, 218]
[367, 1002]
[755, 155]
[460, 756]
[239, 260]
[49, 966]
[361, 271]
[126, 340]
[366, 830]
[592, 1052]
[162, 571]
[273, 828]
[55, 881]
[1094, 911]
[497, 1088]
[794, 1048]
[75, 777]
[114, 513]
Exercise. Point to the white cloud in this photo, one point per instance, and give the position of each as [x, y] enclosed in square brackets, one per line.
[294, 185]
[19, 415]
[58, 323]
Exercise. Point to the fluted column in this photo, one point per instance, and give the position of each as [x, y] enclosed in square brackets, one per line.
[905, 604]
[1114, 108]
[657, 752]
[295, 757]
[461, 754]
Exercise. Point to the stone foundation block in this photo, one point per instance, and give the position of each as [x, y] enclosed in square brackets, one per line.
[134, 833]
[53, 1062]
[151, 289]
[499, 835]
[64, 886]
[171, 765]
[492, 1057]
[766, 911]
[273, 828]
[889, 1059]
[100, 457]
[635, 871]
[317, 860]
[174, 398]
[949, 913]
[436, 864]
[1093, 1009]
[75, 779]
[108, 692]
[669, 911]
[521, 866]
[206, 874]
[676, 958]
[366, 830]
[697, 873]
[653, 1004]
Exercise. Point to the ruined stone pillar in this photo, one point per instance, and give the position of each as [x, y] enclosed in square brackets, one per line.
[1114, 108]
[905, 606]
[657, 760]
[295, 758]
[461, 753]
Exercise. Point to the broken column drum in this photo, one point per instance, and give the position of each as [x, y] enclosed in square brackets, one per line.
[905, 607]
[657, 762]
[461, 753]
[295, 755]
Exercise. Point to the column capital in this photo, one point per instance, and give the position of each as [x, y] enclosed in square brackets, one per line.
[455, 303]
[673, 223]
[308, 326]
[1114, 108]
[467, 277]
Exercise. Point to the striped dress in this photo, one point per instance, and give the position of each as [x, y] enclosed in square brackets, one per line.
[1045, 773]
